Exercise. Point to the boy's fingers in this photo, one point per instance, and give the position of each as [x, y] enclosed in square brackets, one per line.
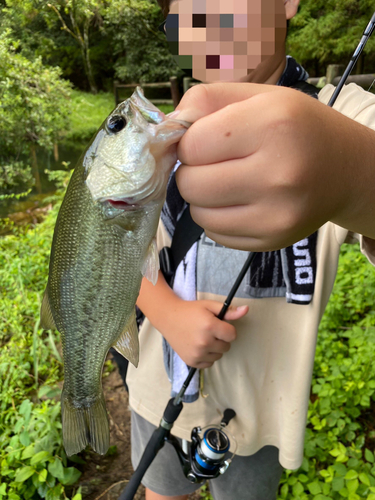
[263, 126]
[237, 313]
[202, 100]
[237, 135]
[220, 347]
[224, 332]
[232, 313]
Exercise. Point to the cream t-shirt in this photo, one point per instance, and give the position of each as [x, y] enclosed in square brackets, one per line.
[266, 375]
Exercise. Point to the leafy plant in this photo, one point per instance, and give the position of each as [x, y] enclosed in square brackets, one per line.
[142, 53]
[338, 462]
[327, 32]
[32, 459]
[34, 110]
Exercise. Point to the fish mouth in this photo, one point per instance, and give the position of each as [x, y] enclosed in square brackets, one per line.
[123, 204]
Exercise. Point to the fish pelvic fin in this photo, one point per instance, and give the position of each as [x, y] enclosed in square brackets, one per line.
[84, 425]
[128, 344]
[46, 319]
[151, 263]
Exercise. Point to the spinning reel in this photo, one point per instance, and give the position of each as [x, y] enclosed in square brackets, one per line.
[205, 456]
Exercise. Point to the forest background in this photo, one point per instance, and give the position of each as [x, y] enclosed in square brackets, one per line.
[58, 62]
[47, 48]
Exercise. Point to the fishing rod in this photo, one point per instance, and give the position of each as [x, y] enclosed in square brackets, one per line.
[358, 51]
[174, 407]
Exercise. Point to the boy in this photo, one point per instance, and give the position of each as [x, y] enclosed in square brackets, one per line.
[263, 167]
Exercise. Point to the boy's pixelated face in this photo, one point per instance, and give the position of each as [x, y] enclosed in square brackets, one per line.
[225, 39]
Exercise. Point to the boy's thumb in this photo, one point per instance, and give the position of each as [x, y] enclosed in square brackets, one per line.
[236, 313]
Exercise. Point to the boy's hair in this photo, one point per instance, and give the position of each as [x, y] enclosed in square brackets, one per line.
[164, 5]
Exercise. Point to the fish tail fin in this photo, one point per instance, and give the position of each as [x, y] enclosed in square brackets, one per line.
[85, 425]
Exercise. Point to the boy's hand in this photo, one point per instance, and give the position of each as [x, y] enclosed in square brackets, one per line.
[265, 166]
[196, 334]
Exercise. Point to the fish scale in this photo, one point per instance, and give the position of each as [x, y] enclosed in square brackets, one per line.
[100, 250]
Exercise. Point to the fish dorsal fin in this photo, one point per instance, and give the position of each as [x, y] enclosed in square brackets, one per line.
[46, 319]
[127, 344]
[151, 264]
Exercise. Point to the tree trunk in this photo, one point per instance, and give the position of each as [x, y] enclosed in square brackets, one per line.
[90, 75]
[34, 164]
[85, 48]
[56, 151]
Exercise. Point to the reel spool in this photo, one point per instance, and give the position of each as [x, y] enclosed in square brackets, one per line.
[205, 456]
[208, 450]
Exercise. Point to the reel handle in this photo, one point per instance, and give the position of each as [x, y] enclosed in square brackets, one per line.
[227, 417]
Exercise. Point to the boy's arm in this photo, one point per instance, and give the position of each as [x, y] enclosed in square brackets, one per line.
[191, 327]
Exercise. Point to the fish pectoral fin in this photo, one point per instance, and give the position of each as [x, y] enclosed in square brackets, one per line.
[46, 319]
[83, 425]
[127, 344]
[151, 263]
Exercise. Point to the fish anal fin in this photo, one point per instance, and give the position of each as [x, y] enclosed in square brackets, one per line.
[151, 263]
[127, 344]
[46, 319]
[83, 425]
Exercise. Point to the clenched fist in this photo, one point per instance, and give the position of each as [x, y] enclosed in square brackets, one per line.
[265, 166]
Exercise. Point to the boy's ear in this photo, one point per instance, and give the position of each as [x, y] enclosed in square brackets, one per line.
[291, 7]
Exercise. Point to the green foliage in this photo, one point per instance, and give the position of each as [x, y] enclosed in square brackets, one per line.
[32, 460]
[14, 196]
[327, 32]
[95, 41]
[34, 99]
[204, 493]
[338, 463]
[77, 18]
[34, 110]
[141, 50]
[88, 113]
[25, 19]
[13, 173]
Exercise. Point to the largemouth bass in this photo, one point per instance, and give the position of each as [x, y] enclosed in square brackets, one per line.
[104, 242]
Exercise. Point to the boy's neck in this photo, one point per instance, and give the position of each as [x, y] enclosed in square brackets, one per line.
[268, 72]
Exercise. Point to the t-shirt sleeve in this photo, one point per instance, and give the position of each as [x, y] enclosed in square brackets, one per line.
[359, 105]
[353, 102]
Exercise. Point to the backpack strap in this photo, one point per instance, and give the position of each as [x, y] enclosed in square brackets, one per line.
[306, 88]
[186, 233]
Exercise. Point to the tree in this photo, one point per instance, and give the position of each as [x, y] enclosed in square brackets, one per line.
[34, 111]
[82, 15]
[327, 32]
[141, 51]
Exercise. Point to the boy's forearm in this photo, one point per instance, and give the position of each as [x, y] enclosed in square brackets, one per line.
[155, 300]
[358, 212]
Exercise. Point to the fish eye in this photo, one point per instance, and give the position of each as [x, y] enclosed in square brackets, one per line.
[116, 123]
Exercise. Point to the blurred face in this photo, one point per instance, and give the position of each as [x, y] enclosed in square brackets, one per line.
[226, 40]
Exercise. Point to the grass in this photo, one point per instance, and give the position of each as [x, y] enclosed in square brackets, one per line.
[89, 112]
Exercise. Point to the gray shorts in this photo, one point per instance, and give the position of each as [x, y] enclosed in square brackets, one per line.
[248, 478]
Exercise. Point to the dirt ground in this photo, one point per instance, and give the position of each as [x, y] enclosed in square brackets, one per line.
[104, 478]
